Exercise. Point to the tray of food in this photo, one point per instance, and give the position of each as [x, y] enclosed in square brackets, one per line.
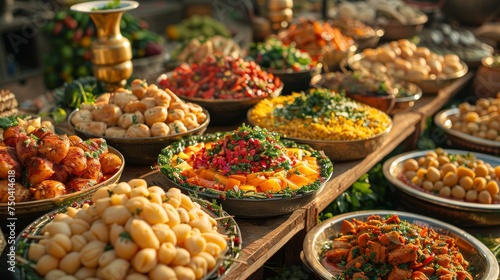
[327, 121]
[472, 126]
[120, 233]
[41, 170]
[320, 39]
[375, 89]
[365, 35]
[444, 39]
[225, 86]
[250, 171]
[139, 122]
[398, 19]
[457, 186]
[402, 59]
[293, 66]
[383, 244]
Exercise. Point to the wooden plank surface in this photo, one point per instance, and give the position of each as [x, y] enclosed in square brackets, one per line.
[262, 238]
[430, 104]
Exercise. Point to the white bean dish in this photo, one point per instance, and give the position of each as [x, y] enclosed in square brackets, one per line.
[131, 231]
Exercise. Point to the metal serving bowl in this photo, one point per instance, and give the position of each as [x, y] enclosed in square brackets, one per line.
[141, 151]
[27, 211]
[442, 120]
[331, 58]
[296, 81]
[480, 258]
[395, 30]
[225, 225]
[346, 150]
[453, 211]
[383, 102]
[371, 41]
[429, 86]
[227, 111]
[251, 207]
[470, 12]
[403, 103]
[341, 150]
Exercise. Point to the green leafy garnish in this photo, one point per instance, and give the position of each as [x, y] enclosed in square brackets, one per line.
[110, 5]
[320, 104]
[6, 122]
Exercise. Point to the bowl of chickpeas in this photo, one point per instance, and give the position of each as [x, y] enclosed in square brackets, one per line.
[473, 126]
[139, 121]
[402, 59]
[457, 186]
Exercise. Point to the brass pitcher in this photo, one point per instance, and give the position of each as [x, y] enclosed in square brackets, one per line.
[111, 52]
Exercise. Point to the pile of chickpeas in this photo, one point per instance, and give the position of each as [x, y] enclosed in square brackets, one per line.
[457, 176]
[131, 231]
[481, 119]
[403, 58]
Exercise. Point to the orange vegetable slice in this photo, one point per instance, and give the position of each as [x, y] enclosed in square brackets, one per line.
[270, 185]
[256, 181]
[241, 178]
[231, 183]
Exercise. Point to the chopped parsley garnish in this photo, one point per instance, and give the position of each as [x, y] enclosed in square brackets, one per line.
[320, 104]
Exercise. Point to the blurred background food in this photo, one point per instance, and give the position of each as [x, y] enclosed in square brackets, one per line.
[70, 37]
[196, 49]
[197, 26]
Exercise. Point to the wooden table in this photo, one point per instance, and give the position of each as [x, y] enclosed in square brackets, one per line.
[263, 238]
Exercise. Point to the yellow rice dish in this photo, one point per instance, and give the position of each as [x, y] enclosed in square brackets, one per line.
[319, 115]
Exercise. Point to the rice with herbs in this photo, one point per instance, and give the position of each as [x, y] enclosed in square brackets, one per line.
[319, 115]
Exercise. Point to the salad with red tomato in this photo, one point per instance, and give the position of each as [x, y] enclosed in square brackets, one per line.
[221, 77]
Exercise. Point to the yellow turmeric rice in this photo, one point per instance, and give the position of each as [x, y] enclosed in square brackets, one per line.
[319, 115]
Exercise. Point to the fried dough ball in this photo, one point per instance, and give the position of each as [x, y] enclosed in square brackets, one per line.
[94, 127]
[155, 114]
[149, 102]
[107, 113]
[128, 119]
[115, 132]
[136, 106]
[176, 114]
[81, 116]
[121, 97]
[139, 88]
[162, 98]
[160, 129]
[138, 131]
[177, 127]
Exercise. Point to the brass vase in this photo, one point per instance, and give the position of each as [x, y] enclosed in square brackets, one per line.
[111, 52]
